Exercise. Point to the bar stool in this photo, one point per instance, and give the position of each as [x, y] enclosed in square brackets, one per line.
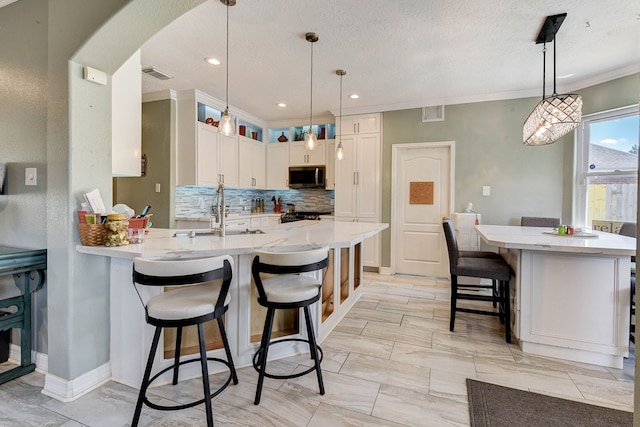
[484, 268]
[477, 254]
[288, 289]
[185, 306]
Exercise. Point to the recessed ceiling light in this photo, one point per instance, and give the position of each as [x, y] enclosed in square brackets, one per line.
[212, 61]
[282, 104]
[354, 96]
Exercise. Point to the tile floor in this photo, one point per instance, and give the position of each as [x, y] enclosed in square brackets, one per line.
[391, 362]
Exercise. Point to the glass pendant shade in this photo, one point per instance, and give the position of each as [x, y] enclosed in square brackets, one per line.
[340, 151]
[227, 126]
[552, 118]
[310, 139]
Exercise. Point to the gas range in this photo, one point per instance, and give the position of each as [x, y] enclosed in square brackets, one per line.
[301, 215]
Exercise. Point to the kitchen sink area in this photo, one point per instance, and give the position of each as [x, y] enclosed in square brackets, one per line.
[228, 232]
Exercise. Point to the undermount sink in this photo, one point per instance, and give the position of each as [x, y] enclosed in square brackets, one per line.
[229, 232]
[245, 231]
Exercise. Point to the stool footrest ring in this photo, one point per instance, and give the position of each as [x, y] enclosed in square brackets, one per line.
[256, 366]
[191, 404]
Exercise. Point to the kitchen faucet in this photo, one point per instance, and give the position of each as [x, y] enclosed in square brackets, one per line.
[220, 211]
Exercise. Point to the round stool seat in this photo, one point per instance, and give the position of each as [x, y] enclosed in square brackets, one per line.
[186, 303]
[290, 288]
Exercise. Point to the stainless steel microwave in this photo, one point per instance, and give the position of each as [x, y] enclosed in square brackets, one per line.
[307, 177]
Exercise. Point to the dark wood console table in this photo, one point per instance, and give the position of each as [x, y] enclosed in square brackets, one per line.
[24, 265]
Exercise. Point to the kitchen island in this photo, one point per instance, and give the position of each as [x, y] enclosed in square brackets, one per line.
[131, 336]
[570, 297]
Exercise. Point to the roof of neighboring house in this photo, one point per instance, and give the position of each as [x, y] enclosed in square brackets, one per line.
[605, 158]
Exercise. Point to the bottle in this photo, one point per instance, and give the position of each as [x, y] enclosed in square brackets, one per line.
[116, 227]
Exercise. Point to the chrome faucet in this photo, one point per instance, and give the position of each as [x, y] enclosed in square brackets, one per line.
[220, 211]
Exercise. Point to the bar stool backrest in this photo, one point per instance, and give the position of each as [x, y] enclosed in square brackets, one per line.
[452, 245]
[629, 229]
[287, 263]
[183, 272]
[539, 221]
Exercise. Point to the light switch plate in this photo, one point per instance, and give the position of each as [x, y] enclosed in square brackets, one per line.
[486, 190]
[30, 176]
[157, 187]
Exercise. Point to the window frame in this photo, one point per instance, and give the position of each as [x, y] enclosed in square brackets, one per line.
[581, 160]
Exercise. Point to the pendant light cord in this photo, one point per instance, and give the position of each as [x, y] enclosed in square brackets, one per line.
[227, 89]
[544, 67]
[554, 67]
[340, 136]
[311, 101]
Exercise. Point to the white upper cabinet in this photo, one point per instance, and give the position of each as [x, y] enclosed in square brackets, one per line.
[252, 163]
[204, 156]
[362, 123]
[300, 156]
[278, 166]
[126, 118]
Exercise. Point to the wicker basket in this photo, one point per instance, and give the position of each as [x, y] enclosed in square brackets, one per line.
[91, 234]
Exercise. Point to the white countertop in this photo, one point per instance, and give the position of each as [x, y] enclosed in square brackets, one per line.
[534, 238]
[290, 236]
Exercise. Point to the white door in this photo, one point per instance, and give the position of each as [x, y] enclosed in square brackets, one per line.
[417, 240]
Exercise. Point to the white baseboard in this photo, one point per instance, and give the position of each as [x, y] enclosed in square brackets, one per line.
[69, 390]
[41, 359]
[386, 271]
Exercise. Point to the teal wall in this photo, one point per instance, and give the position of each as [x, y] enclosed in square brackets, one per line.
[534, 181]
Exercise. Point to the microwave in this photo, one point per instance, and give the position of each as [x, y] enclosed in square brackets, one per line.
[307, 177]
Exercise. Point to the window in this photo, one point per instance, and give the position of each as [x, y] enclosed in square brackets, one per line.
[607, 169]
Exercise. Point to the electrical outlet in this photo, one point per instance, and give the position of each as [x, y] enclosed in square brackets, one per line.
[486, 190]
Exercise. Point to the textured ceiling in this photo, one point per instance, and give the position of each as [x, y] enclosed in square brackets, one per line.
[398, 54]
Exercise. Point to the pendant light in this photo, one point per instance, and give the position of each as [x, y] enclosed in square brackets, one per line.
[556, 115]
[310, 138]
[340, 150]
[227, 127]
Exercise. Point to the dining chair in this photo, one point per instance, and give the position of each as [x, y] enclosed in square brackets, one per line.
[539, 221]
[483, 268]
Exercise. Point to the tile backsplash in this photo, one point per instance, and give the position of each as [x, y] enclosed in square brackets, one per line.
[194, 201]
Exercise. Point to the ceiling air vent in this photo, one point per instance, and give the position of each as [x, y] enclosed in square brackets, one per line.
[433, 114]
[156, 73]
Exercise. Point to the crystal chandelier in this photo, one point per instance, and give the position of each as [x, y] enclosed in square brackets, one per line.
[556, 115]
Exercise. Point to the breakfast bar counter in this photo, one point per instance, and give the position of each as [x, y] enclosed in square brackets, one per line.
[571, 294]
[131, 336]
